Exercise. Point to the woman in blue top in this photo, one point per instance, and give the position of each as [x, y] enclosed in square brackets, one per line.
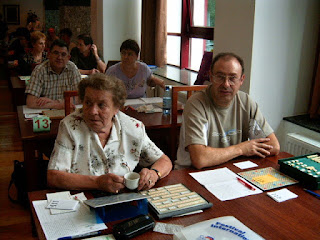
[136, 75]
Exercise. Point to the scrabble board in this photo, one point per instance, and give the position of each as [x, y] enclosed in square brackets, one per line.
[173, 200]
[305, 168]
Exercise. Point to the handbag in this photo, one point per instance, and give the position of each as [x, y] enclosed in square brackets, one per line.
[19, 180]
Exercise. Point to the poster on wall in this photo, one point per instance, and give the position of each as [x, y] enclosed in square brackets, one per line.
[11, 14]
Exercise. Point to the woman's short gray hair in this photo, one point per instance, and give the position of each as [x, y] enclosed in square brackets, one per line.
[100, 81]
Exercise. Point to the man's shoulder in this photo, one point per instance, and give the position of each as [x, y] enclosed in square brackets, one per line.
[70, 65]
[42, 67]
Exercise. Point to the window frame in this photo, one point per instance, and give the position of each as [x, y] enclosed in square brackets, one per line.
[188, 31]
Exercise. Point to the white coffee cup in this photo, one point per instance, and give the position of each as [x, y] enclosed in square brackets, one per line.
[131, 180]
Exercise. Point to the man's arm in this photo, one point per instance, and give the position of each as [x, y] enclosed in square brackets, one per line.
[204, 156]
[43, 102]
[100, 64]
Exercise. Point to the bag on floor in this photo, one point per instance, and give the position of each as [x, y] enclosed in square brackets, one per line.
[19, 180]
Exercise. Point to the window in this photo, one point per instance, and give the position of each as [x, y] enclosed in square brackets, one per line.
[190, 25]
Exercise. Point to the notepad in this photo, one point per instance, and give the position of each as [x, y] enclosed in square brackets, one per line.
[282, 195]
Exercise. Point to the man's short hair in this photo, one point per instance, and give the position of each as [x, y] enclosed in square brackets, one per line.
[86, 39]
[59, 43]
[130, 44]
[66, 31]
[227, 56]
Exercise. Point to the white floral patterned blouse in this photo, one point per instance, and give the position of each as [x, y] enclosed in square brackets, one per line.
[78, 149]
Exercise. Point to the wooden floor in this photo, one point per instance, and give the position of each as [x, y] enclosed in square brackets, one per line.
[14, 219]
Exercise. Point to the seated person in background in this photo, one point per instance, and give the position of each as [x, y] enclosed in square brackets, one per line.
[18, 46]
[86, 56]
[35, 56]
[98, 144]
[135, 75]
[221, 123]
[51, 36]
[51, 78]
[65, 34]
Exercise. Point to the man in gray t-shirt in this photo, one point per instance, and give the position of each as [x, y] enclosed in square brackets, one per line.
[221, 122]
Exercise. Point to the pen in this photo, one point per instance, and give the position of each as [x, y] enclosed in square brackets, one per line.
[80, 235]
[246, 184]
[312, 193]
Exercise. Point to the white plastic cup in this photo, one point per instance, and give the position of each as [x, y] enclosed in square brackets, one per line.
[131, 180]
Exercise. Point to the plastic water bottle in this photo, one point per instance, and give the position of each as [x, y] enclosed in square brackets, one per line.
[167, 100]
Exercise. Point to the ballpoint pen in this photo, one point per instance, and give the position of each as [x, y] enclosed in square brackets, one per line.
[312, 193]
[246, 184]
[81, 235]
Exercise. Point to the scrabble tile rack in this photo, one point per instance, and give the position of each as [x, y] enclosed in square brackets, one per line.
[305, 168]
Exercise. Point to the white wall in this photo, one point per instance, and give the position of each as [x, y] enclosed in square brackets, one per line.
[33, 5]
[121, 20]
[283, 55]
[234, 31]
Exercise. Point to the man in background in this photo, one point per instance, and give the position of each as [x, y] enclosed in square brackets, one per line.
[86, 56]
[50, 79]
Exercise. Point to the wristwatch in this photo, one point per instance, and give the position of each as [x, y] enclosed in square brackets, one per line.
[157, 172]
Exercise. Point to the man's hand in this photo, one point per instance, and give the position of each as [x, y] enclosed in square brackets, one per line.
[110, 183]
[256, 147]
[41, 101]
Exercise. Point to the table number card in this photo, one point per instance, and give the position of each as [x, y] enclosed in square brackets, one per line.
[41, 124]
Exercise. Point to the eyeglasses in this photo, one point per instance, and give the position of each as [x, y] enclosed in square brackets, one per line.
[220, 78]
[62, 54]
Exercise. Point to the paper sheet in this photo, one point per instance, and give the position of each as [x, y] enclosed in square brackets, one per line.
[282, 195]
[61, 225]
[245, 164]
[223, 184]
[27, 110]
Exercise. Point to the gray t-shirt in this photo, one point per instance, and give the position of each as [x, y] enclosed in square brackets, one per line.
[204, 123]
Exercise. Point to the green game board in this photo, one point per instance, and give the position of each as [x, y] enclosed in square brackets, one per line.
[305, 168]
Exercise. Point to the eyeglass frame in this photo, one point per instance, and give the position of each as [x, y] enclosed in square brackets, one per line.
[222, 78]
[62, 54]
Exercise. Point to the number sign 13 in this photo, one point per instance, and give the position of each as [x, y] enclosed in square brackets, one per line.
[41, 124]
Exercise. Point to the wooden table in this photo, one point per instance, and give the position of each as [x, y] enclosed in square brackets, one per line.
[18, 89]
[157, 127]
[297, 218]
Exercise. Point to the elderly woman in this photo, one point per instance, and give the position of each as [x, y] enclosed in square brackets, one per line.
[135, 75]
[36, 55]
[98, 144]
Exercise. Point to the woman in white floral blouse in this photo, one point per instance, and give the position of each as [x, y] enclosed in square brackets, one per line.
[98, 144]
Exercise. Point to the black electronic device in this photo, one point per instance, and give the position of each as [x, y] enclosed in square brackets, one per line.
[133, 227]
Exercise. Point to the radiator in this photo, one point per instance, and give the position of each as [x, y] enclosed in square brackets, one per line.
[298, 144]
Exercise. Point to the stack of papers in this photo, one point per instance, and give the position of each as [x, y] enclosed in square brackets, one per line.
[225, 184]
[58, 223]
[147, 105]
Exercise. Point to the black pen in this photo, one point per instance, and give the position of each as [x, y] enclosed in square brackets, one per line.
[312, 193]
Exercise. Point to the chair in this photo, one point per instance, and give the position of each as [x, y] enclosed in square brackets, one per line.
[174, 113]
[67, 101]
[203, 74]
[111, 62]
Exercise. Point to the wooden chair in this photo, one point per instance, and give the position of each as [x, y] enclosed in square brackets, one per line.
[67, 101]
[174, 114]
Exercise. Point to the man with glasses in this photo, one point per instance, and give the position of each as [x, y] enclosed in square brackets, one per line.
[50, 79]
[221, 123]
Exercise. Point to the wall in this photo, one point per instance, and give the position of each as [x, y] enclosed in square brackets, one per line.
[34, 5]
[121, 20]
[283, 55]
[234, 31]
